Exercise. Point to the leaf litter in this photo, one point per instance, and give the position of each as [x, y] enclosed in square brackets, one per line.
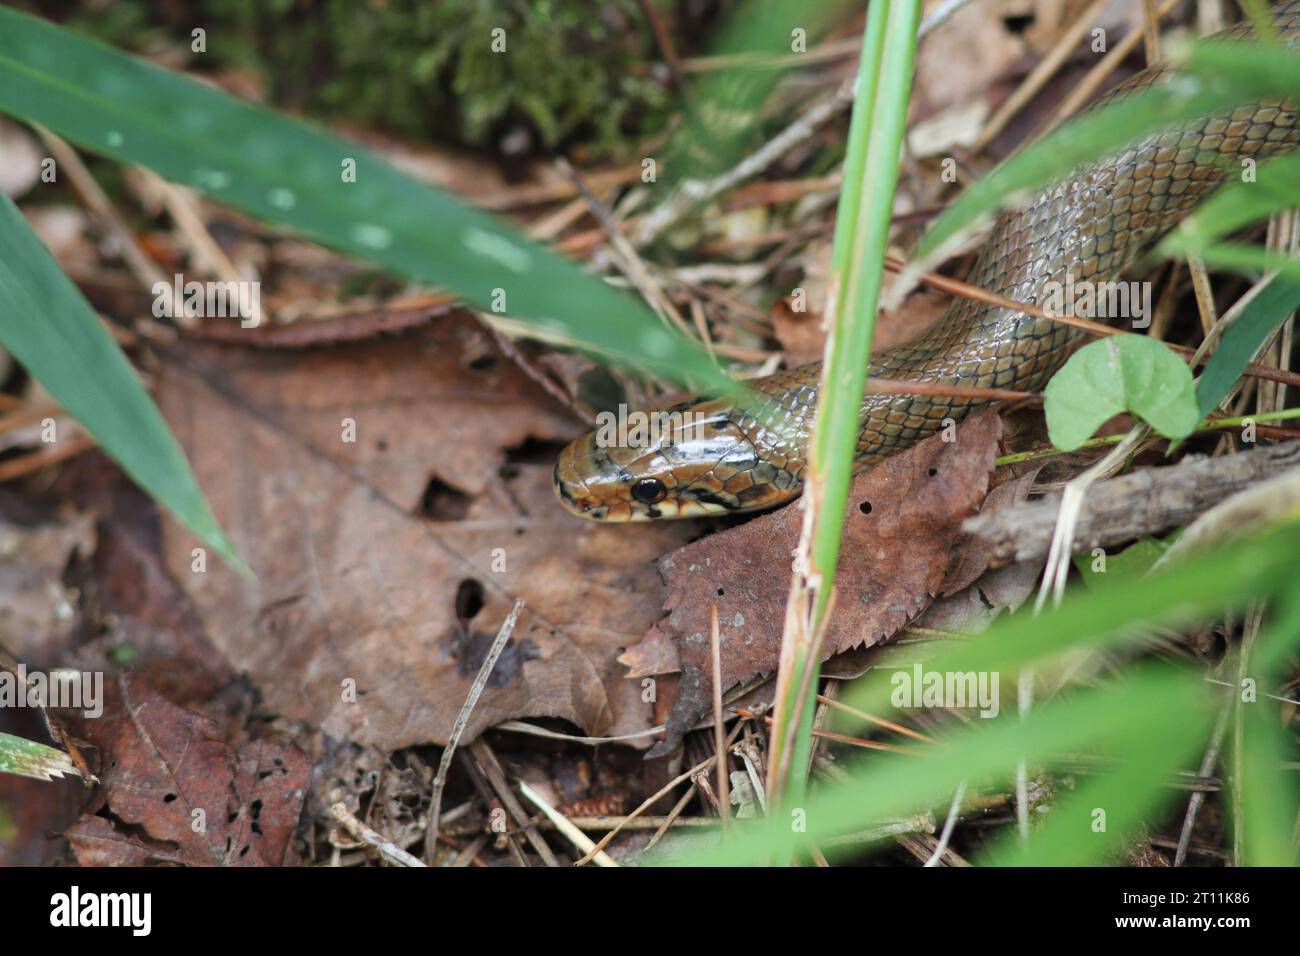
[384, 566]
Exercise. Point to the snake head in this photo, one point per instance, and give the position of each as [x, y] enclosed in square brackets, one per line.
[686, 461]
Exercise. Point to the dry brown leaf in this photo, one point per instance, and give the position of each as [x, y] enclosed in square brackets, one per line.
[966, 55]
[181, 794]
[369, 618]
[901, 537]
[973, 595]
[351, 326]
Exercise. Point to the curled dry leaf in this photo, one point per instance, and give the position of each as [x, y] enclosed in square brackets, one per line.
[178, 793]
[385, 565]
[901, 538]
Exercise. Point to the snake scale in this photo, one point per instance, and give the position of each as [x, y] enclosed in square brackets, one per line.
[717, 457]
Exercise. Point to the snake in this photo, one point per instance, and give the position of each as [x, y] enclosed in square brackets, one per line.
[715, 456]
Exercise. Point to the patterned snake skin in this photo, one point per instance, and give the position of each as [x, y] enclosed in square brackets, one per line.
[1089, 226]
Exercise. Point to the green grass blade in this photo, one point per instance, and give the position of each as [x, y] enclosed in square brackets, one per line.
[1086, 139]
[896, 785]
[1242, 340]
[1249, 259]
[857, 268]
[27, 758]
[286, 172]
[49, 328]
[1269, 794]
[721, 110]
[1093, 621]
[1093, 823]
[1253, 70]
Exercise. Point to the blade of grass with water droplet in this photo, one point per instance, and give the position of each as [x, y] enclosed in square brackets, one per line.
[336, 192]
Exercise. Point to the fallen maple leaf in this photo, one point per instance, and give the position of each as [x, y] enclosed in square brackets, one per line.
[384, 566]
[179, 794]
[900, 544]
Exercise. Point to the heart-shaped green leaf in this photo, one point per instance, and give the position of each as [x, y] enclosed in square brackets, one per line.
[1122, 373]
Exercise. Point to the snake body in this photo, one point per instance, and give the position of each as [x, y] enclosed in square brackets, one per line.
[715, 457]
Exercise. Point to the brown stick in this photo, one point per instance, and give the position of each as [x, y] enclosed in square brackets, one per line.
[1133, 506]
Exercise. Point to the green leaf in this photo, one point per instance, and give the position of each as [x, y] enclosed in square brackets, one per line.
[27, 758]
[1120, 373]
[1264, 313]
[286, 172]
[48, 327]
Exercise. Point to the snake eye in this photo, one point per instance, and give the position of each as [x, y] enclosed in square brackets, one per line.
[649, 491]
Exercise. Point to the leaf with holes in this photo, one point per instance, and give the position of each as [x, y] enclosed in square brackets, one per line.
[386, 564]
[176, 792]
[1121, 373]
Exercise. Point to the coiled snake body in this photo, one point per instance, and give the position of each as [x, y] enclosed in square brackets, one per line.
[716, 457]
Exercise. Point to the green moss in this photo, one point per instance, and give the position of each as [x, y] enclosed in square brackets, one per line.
[569, 71]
